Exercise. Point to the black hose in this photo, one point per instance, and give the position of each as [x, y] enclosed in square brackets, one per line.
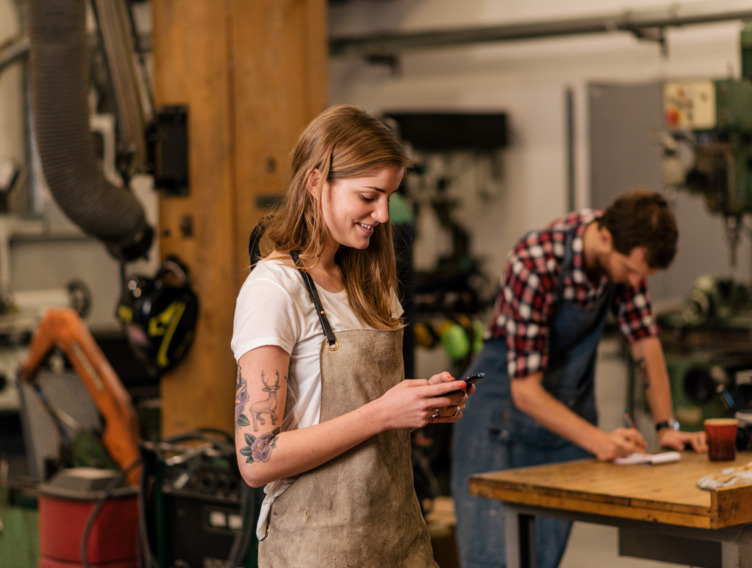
[59, 64]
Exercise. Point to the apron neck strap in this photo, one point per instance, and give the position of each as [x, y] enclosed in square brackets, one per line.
[331, 340]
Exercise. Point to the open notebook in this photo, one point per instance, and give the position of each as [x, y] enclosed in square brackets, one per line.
[663, 457]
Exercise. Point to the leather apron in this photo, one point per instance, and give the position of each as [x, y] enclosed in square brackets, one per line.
[360, 509]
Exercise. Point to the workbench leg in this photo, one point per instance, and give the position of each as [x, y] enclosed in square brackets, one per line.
[519, 529]
[738, 554]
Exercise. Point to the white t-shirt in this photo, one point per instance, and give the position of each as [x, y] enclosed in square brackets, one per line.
[274, 308]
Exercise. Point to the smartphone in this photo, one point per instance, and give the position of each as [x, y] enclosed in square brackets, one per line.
[472, 379]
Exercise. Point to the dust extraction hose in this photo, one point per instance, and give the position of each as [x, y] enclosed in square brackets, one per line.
[59, 64]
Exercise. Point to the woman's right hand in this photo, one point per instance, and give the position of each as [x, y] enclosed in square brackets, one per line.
[413, 403]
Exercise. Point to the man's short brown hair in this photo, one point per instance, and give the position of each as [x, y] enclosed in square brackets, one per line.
[643, 218]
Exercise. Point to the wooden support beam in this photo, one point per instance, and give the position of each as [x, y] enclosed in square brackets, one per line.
[252, 73]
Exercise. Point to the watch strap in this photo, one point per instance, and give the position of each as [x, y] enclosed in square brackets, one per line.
[670, 423]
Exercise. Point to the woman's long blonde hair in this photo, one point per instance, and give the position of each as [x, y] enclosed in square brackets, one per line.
[342, 142]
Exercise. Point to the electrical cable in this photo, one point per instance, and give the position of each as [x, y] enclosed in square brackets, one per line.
[242, 537]
[147, 556]
[240, 542]
[106, 494]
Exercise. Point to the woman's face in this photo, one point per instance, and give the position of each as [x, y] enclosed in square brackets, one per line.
[353, 207]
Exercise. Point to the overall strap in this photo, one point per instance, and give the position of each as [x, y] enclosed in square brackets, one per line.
[331, 340]
[566, 263]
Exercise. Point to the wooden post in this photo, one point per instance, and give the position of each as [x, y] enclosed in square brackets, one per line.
[252, 73]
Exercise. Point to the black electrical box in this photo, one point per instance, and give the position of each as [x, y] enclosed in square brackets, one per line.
[198, 512]
[447, 131]
[168, 150]
[202, 519]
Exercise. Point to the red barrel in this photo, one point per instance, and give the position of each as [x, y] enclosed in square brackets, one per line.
[65, 504]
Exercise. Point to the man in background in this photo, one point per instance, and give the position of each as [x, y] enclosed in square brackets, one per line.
[537, 403]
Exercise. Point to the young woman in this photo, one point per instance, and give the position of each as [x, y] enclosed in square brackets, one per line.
[323, 411]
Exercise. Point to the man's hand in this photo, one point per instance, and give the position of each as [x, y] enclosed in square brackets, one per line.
[620, 443]
[678, 440]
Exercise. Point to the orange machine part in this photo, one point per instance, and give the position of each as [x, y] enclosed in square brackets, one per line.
[63, 328]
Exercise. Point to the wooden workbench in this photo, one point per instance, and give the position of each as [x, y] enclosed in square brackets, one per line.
[660, 512]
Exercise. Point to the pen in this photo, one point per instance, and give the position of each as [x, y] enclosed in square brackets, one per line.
[628, 420]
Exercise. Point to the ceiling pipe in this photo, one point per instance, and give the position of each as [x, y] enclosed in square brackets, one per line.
[642, 23]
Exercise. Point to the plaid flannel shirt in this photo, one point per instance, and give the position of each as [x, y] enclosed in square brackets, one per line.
[527, 299]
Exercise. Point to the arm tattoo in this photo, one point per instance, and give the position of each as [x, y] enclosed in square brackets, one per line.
[267, 405]
[259, 449]
[241, 398]
[641, 369]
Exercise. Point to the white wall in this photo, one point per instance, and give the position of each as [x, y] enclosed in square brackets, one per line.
[528, 80]
[525, 79]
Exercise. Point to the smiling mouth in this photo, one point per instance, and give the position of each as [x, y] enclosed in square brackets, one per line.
[369, 228]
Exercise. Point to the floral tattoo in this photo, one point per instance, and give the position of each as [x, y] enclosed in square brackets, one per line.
[259, 449]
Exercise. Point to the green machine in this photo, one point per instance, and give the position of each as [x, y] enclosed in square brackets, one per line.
[699, 386]
[708, 350]
[715, 118]
[19, 519]
[708, 344]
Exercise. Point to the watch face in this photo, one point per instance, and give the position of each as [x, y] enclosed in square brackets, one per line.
[671, 423]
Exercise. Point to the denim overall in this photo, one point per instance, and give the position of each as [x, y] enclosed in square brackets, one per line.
[493, 435]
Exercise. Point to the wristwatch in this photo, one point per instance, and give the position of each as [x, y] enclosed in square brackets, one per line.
[670, 423]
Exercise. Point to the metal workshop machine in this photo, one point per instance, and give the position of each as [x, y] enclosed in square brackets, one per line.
[708, 343]
[185, 506]
[88, 516]
[714, 117]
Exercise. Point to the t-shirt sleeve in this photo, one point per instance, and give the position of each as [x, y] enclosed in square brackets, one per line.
[265, 314]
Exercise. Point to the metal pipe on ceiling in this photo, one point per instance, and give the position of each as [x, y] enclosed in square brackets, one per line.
[638, 22]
